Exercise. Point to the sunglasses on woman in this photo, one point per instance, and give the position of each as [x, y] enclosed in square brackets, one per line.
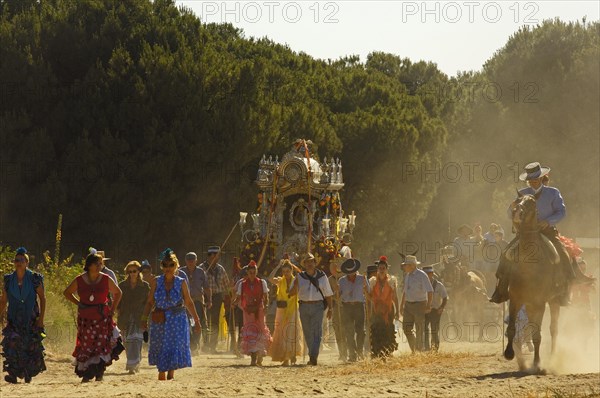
[133, 271]
[168, 265]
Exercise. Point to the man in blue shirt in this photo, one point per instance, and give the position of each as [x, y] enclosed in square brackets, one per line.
[551, 210]
[416, 302]
[200, 294]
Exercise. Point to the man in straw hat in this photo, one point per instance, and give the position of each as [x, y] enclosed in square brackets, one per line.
[352, 288]
[314, 295]
[416, 302]
[550, 211]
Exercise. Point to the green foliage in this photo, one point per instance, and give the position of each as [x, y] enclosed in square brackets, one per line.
[130, 107]
[144, 127]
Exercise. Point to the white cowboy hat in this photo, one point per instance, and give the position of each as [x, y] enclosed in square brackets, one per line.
[534, 170]
[411, 260]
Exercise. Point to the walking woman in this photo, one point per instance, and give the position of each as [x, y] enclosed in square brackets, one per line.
[22, 347]
[252, 294]
[169, 330]
[384, 298]
[287, 337]
[98, 342]
[131, 308]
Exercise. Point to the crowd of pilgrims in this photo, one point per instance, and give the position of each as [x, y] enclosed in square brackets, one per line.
[178, 312]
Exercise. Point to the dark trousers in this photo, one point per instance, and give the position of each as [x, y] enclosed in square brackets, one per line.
[552, 234]
[414, 316]
[353, 320]
[432, 328]
[213, 320]
[195, 337]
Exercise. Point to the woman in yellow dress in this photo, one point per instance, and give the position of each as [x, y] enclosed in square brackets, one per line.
[287, 337]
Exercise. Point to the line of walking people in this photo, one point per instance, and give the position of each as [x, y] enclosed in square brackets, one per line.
[171, 311]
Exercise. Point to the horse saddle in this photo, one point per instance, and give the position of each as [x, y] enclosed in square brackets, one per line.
[512, 252]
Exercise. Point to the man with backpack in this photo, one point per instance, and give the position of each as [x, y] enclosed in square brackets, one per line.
[315, 296]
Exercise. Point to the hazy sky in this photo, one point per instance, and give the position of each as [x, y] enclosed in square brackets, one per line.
[457, 35]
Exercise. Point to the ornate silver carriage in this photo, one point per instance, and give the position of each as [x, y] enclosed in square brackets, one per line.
[299, 209]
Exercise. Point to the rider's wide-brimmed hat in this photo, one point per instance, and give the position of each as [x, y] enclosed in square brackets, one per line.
[534, 170]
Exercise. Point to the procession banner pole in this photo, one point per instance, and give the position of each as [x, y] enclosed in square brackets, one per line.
[295, 328]
[228, 331]
[339, 313]
[368, 320]
[310, 214]
[503, 317]
[223, 245]
[212, 262]
[236, 351]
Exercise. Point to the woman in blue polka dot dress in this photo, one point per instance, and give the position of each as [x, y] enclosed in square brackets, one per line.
[169, 330]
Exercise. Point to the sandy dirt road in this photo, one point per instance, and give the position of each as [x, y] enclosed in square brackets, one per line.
[461, 370]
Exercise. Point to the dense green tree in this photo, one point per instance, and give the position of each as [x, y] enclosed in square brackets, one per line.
[144, 127]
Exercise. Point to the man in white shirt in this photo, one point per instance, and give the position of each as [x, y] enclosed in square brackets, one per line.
[313, 289]
[432, 319]
[416, 302]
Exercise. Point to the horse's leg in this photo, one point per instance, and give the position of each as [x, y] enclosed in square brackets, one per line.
[519, 355]
[554, 315]
[535, 314]
[513, 308]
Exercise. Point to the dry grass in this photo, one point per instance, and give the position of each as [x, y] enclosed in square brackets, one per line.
[562, 393]
[430, 362]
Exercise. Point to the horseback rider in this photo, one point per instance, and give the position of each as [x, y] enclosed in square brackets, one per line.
[550, 211]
